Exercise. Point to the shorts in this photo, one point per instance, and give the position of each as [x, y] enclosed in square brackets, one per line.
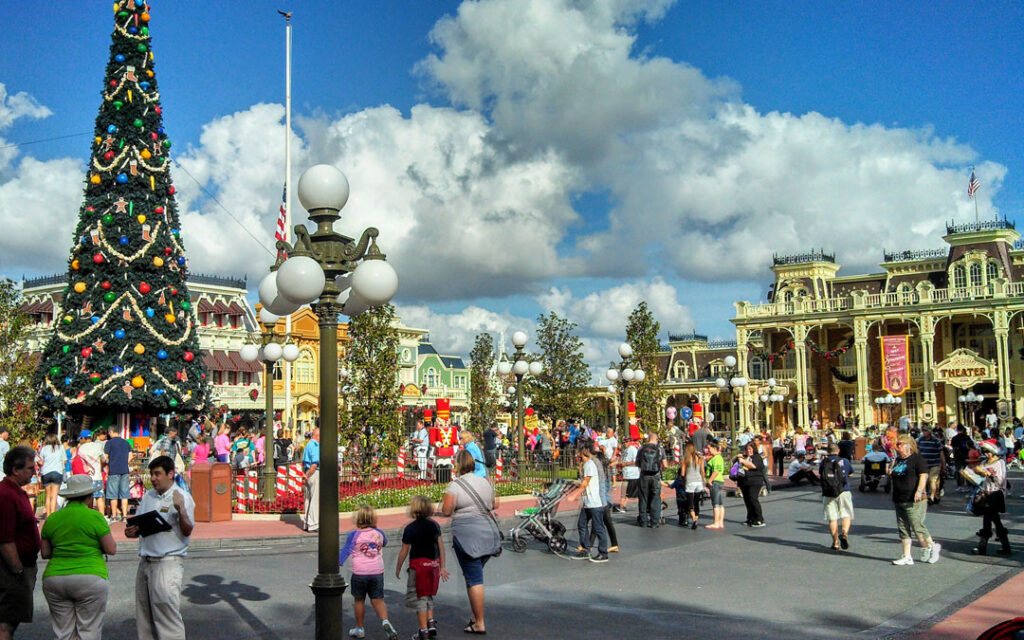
[472, 568]
[633, 488]
[839, 507]
[933, 476]
[717, 494]
[118, 486]
[910, 519]
[16, 595]
[413, 601]
[362, 586]
[54, 477]
[97, 488]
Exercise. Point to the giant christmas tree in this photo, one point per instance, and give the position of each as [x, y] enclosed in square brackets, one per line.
[125, 337]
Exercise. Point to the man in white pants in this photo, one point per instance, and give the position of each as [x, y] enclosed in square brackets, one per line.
[162, 556]
[311, 467]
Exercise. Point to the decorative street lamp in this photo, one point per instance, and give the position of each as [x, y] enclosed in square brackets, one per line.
[732, 381]
[334, 274]
[769, 400]
[971, 403]
[624, 374]
[888, 404]
[519, 368]
[270, 351]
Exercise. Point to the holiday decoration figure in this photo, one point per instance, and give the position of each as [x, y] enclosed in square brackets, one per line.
[444, 438]
[125, 338]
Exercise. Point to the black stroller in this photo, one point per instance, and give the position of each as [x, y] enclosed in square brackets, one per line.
[874, 475]
[540, 521]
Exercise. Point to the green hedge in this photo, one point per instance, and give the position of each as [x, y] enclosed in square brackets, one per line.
[388, 498]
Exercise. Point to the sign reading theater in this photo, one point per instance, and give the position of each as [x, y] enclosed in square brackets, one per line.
[963, 369]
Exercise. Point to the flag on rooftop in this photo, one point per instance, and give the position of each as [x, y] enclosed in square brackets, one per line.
[282, 217]
[973, 185]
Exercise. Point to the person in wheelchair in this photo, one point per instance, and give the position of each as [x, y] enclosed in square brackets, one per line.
[876, 469]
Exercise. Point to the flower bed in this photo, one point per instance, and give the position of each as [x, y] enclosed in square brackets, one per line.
[399, 497]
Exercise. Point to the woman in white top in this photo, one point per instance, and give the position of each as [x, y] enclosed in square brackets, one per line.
[993, 483]
[51, 458]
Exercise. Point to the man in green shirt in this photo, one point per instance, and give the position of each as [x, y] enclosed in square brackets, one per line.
[714, 471]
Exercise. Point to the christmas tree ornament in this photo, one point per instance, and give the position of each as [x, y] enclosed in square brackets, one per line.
[67, 381]
[158, 392]
[138, 381]
[141, 48]
[144, 85]
[67, 319]
[95, 179]
[94, 319]
[120, 334]
[149, 312]
[146, 155]
[139, 349]
[144, 17]
[161, 354]
[123, 240]
[95, 378]
[54, 372]
[141, 219]
[97, 258]
[122, 178]
[109, 296]
[118, 369]
[170, 318]
[186, 305]
[108, 155]
[105, 285]
[144, 287]
[119, 57]
[159, 211]
[79, 287]
[189, 356]
[107, 218]
[173, 403]
[137, 122]
[111, 129]
[75, 264]
[181, 260]
[168, 251]
[90, 210]
[66, 348]
[170, 189]
[86, 352]
[158, 261]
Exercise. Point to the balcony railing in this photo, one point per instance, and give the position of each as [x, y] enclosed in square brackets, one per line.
[687, 337]
[908, 256]
[815, 255]
[986, 225]
[859, 300]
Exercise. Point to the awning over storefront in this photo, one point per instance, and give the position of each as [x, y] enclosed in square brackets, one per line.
[235, 310]
[204, 306]
[242, 365]
[219, 307]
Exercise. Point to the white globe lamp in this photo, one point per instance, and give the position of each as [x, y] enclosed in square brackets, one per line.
[249, 353]
[519, 339]
[639, 375]
[323, 186]
[536, 368]
[272, 352]
[504, 367]
[628, 374]
[290, 352]
[612, 375]
[730, 361]
[520, 367]
[625, 350]
[375, 281]
[268, 318]
[300, 280]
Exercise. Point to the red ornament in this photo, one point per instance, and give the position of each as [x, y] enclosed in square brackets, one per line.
[188, 356]
[105, 285]
[153, 136]
[113, 83]
[86, 352]
[158, 109]
[174, 291]
[98, 258]
[108, 155]
[255, 393]
[168, 251]
[159, 211]
[170, 190]
[90, 210]
[144, 287]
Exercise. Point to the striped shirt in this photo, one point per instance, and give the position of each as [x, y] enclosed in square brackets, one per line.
[931, 450]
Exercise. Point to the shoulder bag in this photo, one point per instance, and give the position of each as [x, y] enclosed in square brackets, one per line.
[499, 536]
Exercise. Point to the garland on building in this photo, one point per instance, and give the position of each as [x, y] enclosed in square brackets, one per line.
[838, 375]
[829, 355]
[785, 348]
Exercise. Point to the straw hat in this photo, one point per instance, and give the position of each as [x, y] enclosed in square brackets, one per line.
[77, 486]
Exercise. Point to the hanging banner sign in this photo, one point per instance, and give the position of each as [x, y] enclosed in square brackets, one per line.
[895, 366]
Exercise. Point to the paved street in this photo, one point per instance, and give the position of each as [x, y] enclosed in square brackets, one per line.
[776, 582]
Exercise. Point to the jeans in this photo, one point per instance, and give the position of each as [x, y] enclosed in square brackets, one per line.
[778, 459]
[800, 476]
[596, 519]
[609, 527]
[650, 499]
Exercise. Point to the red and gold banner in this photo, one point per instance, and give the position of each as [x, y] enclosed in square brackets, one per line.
[895, 366]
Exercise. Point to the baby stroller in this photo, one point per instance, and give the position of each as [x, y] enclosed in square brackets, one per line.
[540, 521]
[874, 475]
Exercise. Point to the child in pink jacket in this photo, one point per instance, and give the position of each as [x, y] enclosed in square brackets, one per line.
[365, 546]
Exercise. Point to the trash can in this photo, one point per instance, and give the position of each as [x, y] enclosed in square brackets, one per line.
[211, 490]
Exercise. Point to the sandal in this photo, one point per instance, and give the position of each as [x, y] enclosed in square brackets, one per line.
[470, 628]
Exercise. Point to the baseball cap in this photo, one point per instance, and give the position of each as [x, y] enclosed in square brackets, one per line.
[85, 433]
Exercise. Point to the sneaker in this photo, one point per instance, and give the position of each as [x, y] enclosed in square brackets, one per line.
[926, 553]
[757, 525]
[420, 635]
[357, 632]
[581, 555]
[904, 561]
[603, 557]
[389, 629]
[432, 628]
[618, 509]
[933, 556]
[613, 549]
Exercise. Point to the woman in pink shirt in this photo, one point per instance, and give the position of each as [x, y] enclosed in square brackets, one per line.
[201, 452]
[222, 444]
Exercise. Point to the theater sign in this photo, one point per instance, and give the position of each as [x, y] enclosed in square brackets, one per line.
[964, 368]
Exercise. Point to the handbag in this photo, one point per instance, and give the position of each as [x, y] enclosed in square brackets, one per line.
[480, 505]
[978, 503]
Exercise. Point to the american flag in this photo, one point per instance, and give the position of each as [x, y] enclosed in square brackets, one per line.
[973, 185]
[282, 217]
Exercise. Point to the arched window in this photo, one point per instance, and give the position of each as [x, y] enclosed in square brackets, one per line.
[278, 371]
[991, 270]
[433, 380]
[305, 368]
[959, 277]
[757, 368]
[680, 370]
[905, 292]
[787, 296]
[975, 275]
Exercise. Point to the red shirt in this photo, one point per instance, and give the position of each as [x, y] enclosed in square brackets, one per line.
[18, 522]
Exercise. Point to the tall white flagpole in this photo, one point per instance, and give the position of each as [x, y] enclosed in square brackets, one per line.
[286, 416]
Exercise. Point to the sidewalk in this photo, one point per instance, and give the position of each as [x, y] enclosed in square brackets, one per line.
[1002, 603]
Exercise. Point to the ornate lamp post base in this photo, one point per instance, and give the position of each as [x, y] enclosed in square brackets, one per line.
[327, 590]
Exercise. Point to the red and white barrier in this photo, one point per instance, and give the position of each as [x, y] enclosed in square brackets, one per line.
[499, 469]
[401, 463]
[296, 478]
[281, 482]
[240, 498]
[675, 452]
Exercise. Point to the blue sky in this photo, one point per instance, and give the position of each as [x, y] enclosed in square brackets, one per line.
[645, 150]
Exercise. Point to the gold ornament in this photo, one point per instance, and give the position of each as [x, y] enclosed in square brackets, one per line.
[158, 261]
[137, 382]
[141, 219]
[79, 287]
[170, 318]
[140, 349]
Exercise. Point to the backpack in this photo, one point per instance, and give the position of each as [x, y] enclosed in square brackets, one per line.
[280, 450]
[833, 478]
[650, 459]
